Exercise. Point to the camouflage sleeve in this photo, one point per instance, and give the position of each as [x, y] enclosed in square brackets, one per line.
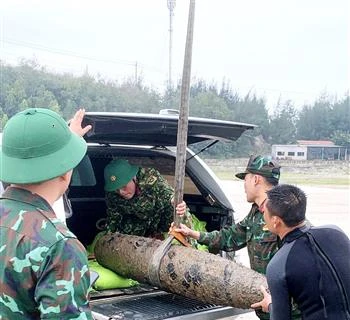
[114, 218]
[230, 238]
[64, 281]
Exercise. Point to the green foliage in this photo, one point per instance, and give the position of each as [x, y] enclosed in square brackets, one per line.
[3, 120]
[30, 85]
[341, 138]
[340, 116]
[282, 128]
[320, 121]
[209, 105]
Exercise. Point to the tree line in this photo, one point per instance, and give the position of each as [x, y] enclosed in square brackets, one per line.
[31, 85]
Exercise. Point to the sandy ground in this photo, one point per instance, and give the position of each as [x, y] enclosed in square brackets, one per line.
[326, 205]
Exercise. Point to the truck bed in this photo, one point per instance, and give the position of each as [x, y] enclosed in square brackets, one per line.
[149, 303]
[88, 209]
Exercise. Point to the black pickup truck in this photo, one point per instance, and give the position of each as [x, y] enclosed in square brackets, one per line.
[149, 140]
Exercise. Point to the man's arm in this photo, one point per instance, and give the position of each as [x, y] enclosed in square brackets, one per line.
[114, 217]
[281, 308]
[75, 124]
[278, 304]
[229, 239]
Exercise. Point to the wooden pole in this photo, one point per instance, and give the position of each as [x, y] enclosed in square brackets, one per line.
[183, 116]
[181, 145]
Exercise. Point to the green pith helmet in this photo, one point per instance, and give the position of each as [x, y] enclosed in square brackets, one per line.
[262, 166]
[118, 173]
[37, 145]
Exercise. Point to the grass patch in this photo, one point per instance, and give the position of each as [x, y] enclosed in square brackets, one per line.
[297, 178]
[300, 178]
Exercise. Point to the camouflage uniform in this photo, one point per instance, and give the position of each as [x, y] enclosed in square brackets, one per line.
[43, 267]
[261, 243]
[149, 213]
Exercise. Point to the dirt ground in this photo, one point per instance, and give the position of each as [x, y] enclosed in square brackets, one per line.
[326, 205]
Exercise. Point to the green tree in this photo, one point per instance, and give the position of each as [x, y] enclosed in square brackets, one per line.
[340, 115]
[251, 109]
[44, 99]
[3, 119]
[31, 85]
[282, 128]
[315, 122]
[138, 98]
[209, 105]
[15, 94]
[341, 138]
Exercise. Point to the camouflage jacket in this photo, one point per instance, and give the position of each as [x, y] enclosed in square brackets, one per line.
[250, 233]
[43, 267]
[149, 213]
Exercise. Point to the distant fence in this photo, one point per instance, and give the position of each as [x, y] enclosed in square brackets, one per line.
[338, 167]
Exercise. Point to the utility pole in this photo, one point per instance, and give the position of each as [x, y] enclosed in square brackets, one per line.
[171, 6]
[136, 80]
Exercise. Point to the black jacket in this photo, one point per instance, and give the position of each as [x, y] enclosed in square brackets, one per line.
[313, 268]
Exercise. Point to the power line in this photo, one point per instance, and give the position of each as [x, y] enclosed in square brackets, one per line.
[63, 52]
[77, 55]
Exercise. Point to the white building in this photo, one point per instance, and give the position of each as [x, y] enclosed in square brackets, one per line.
[309, 150]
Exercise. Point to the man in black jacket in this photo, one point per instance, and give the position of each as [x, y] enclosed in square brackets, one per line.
[313, 265]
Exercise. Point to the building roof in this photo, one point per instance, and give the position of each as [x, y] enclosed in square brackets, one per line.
[310, 143]
[316, 143]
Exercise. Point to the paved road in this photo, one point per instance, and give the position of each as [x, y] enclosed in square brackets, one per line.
[326, 205]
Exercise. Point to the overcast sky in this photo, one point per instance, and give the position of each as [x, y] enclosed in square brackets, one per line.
[293, 49]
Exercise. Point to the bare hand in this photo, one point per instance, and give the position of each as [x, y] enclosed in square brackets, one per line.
[76, 121]
[265, 302]
[186, 231]
[181, 208]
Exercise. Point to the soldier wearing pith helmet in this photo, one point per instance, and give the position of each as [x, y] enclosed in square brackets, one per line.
[118, 173]
[260, 175]
[140, 201]
[40, 256]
